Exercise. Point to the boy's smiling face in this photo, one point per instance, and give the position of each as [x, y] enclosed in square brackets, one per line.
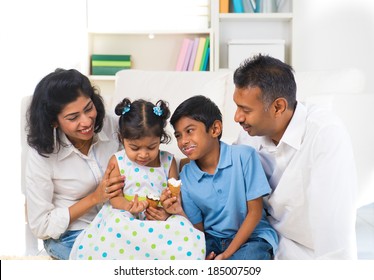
[193, 139]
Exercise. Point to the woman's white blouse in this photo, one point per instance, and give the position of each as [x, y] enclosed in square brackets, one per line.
[313, 177]
[55, 183]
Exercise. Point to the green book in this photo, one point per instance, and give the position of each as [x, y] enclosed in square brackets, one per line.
[104, 70]
[111, 63]
[205, 53]
[115, 57]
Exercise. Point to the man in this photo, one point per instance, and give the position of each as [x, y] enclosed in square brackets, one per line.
[307, 157]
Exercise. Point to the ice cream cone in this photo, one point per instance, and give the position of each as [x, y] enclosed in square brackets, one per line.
[174, 186]
[152, 202]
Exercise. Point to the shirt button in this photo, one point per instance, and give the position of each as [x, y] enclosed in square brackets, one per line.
[219, 191]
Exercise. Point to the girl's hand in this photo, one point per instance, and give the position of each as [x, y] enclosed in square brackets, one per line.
[156, 214]
[137, 206]
[109, 187]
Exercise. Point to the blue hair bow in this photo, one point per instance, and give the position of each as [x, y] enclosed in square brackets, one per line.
[157, 111]
[126, 109]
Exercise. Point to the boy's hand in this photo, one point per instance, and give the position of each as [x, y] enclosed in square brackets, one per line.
[172, 205]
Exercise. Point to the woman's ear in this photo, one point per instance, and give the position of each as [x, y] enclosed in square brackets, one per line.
[216, 128]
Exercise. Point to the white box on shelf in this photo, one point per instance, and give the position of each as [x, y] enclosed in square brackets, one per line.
[239, 50]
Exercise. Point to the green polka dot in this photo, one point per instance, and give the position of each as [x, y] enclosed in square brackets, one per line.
[90, 258]
[172, 257]
[167, 226]
[118, 220]
[164, 184]
[163, 252]
[153, 246]
[112, 245]
[185, 238]
[134, 233]
[152, 170]
[144, 240]
[122, 171]
[102, 238]
[177, 232]
[132, 258]
[126, 227]
[121, 251]
[89, 235]
[137, 184]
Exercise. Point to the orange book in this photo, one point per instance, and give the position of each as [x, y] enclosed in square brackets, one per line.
[223, 6]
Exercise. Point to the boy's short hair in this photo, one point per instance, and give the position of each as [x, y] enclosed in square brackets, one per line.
[198, 108]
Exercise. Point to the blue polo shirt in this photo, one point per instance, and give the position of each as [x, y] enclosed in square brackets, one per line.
[219, 201]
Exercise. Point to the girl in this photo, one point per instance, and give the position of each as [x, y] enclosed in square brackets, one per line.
[126, 228]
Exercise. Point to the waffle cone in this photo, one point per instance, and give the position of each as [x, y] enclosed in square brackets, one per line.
[175, 190]
[152, 202]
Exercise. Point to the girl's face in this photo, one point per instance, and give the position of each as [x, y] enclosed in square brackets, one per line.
[143, 151]
[77, 120]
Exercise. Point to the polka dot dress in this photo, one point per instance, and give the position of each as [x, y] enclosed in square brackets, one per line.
[117, 235]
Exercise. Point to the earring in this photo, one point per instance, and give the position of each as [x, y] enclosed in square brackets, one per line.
[54, 137]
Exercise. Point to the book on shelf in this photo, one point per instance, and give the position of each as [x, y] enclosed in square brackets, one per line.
[110, 63]
[206, 61]
[199, 53]
[182, 54]
[110, 57]
[188, 55]
[106, 70]
[206, 47]
[237, 6]
[193, 54]
[224, 6]
[249, 6]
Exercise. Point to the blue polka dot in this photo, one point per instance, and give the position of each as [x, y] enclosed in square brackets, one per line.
[169, 158]
[182, 224]
[189, 253]
[160, 236]
[150, 230]
[147, 255]
[131, 219]
[137, 248]
[137, 169]
[104, 255]
[120, 157]
[198, 237]
[145, 177]
[180, 248]
[141, 224]
[110, 229]
[96, 248]
[118, 235]
[128, 242]
[169, 242]
[129, 163]
[80, 247]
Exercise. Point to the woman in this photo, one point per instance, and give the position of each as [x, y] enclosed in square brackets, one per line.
[67, 179]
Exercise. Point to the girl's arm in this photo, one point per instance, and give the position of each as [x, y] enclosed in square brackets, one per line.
[254, 214]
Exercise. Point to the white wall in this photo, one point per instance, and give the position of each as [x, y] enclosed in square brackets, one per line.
[331, 34]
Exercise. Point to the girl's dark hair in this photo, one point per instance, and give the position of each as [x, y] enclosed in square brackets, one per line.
[142, 118]
[51, 95]
[198, 108]
[274, 77]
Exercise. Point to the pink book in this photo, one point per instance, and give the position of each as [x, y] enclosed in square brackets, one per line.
[188, 55]
[193, 54]
[182, 54]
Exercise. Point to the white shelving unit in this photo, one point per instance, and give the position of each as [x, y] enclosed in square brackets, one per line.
[253, 26]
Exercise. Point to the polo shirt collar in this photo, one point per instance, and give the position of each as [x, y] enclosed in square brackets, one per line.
[225, 160]
[294, 134]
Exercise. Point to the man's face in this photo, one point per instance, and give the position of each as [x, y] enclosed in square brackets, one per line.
[251, 113]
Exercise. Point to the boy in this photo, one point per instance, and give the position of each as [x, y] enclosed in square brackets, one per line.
[222, 186]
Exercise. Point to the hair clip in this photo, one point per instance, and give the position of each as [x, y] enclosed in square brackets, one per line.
[126, 109]
[157, 111]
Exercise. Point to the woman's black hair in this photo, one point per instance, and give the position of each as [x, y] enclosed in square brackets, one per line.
[142, 118]
[51, 95]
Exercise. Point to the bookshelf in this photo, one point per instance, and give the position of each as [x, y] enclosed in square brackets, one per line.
[253, 26]
[153, 36]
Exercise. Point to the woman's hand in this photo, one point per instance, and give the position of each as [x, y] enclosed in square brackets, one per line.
[109, 187]
[156, 214]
